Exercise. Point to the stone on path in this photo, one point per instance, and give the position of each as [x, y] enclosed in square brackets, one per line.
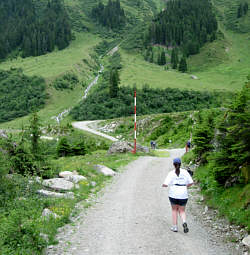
[58, 184]
[246, 241]
[104, 170]
[47, 193]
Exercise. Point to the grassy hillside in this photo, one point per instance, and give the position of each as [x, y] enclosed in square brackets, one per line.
[56, 63]
[223, 64]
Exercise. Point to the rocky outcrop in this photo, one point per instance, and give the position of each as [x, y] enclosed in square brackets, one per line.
[104, 170]
[59, 184]
[72, 176]
[124, 147]
[120, 147]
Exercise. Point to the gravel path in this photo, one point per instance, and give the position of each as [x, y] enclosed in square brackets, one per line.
[133, 216]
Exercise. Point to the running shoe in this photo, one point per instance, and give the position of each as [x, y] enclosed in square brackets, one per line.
[185, 227]
[174, 229]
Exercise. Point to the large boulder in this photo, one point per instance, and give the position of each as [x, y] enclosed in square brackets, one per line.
[58, 184]
[246, 241]
[123, 147]
[120, 147]
[104, 170]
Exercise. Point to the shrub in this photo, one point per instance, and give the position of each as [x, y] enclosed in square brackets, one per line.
[67, 81]
[20, 94]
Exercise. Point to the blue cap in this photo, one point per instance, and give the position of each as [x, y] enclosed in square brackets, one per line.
[177, 161]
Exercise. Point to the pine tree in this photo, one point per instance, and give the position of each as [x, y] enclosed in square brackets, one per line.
[174, 58]
[183, 65]
[245, 8]
[63, 148]
[163, 58]
[113, 83]
[240, 11]
[35, 134]
[235, 123]
[79, 148]
[159, 59]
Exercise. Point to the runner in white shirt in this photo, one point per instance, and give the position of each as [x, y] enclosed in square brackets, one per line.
[178, 180]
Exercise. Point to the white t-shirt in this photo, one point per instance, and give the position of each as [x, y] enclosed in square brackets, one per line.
[178, 184]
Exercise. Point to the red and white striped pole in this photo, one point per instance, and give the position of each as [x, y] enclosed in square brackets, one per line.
[134, 151]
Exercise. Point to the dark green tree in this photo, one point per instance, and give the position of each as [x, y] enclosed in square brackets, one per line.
[79, 148]
[235, 123]
[183, 65]
[114, 83]
[63, 148]
[163, 58]
[174, 58]
[35, 134]
[240, 11]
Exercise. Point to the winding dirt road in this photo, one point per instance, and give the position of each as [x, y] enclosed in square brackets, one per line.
[133, 216]
[85, 125]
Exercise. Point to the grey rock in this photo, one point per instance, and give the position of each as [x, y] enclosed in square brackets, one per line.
[93, 184]
[104, 170]
[206, 209]
[58, 184]
[246, 241]
[47, 193]
[120, 147]
[65, 174]
[47, 214]
[194, 77]
[124, 146]
[75, 178]
[3, 134]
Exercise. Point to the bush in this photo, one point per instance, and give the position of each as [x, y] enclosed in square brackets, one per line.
[67, 81]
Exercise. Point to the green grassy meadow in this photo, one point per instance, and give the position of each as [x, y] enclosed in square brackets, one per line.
[221, 65]
[56, 63]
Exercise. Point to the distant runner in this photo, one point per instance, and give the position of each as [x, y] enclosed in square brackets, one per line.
[188, 146]
[178, 180]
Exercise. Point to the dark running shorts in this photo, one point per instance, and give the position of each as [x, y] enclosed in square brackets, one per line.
[175, 201]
